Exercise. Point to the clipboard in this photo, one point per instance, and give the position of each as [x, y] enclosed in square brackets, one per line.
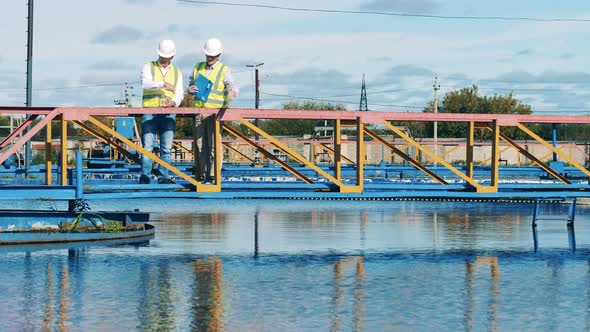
[204, 85]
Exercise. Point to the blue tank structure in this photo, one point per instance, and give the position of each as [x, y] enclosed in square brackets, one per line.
[26, 227]
[241, 182]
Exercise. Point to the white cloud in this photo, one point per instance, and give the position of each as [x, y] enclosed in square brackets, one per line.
[120, 34]
[301, 51]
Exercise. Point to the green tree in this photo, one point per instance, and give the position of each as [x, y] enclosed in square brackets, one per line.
[298, 127]
[468, 100]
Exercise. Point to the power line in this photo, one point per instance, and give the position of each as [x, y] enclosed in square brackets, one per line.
[338, 101]
[580, 108]
[522, 89]
[559, 107]
[557, 110]
[536, 108]
[74, 87]
[362, 12]
[373, 92]
[356, 93]
[516, 81]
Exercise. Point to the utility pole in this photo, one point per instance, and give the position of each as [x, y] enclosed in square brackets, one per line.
[127, 101]
[436, 88]
[363, 104]
[257, 93]
[29, 88]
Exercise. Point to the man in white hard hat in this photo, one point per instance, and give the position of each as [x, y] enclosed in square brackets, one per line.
[162, 87]
[223, 91]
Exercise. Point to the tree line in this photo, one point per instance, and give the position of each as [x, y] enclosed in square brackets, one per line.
[465, 100]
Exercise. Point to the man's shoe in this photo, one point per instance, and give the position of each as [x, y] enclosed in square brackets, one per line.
[208, 180]
[144, 179]
[156, 172]
[166, 181]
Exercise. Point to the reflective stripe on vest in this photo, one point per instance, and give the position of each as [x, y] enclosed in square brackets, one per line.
[151, 98]
[218, 96]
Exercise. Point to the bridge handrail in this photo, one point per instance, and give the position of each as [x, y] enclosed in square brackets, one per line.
[234, 114]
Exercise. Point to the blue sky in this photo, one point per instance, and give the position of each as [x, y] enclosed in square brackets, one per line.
[84, 51]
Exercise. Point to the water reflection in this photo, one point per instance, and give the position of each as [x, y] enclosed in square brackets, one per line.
[49, 292]
[56, 303]
[359, 294]
[64, 298]
[207, 298]
[27, 293]
[337, 269]
[156, 307]
[571, 236]
[256, 233]
[212, 226]
[172, 297]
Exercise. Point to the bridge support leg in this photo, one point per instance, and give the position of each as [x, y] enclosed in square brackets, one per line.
[535, 213]
[571, 236]
[571, 215]
[534, 225]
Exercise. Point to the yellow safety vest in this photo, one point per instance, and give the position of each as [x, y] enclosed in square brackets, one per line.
[218, 96]
[151, 98]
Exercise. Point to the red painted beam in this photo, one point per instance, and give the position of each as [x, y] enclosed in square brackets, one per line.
[9, 150]
[234, 114]
[25, 110]
[18, 130]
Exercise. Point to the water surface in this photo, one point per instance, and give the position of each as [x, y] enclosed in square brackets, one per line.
[273, 265]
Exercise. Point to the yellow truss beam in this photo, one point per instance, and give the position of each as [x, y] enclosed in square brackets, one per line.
[238, 152]
[446, 153]
[183, 148]
[105, 139]
[296, 156]
[552, 148]
[64, 152]
[485, 161]
[441, 161]
[338, 149]
[266, 153]
[403, 149]
[469, 146]
[550, 154]
[407, 158]
[200, 187]
[531, 157]
[326, 148]
[495, 163]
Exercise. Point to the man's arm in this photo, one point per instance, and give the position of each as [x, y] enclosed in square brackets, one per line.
[231, 84]
[178, 91]
[147, 80]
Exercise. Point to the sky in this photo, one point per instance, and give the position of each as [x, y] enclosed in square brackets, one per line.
[85, 51]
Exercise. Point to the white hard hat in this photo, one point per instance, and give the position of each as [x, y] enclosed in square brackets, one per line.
[213, 47]
[167, 49]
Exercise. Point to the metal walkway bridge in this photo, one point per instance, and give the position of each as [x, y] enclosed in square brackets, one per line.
[340, 176]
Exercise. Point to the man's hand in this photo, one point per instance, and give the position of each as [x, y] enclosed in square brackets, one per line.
[231, 95]
[169, 86]
[168, 102]
[193, 89]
